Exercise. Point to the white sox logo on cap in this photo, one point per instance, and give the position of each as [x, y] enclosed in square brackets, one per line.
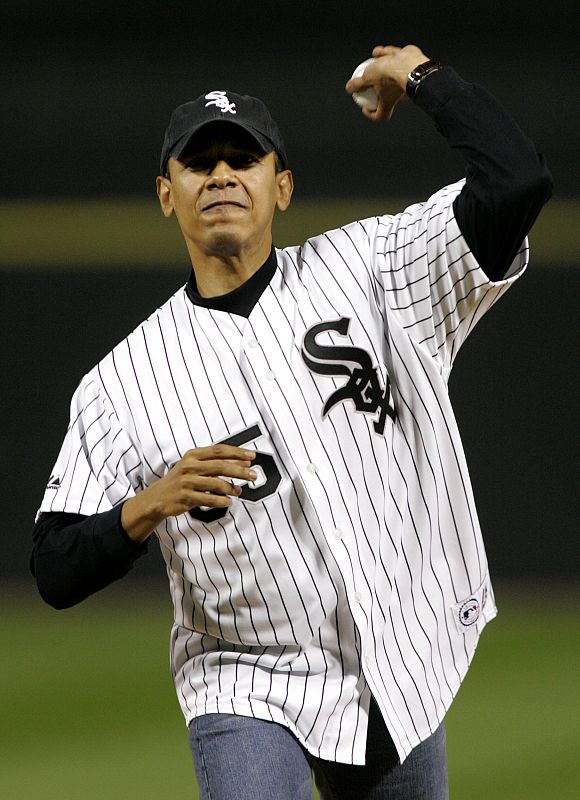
[220, 100]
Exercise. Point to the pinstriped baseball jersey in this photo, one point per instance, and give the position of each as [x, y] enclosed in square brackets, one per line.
[354, 564]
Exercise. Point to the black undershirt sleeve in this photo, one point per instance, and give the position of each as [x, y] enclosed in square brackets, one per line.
[507, 181]
[75, 556]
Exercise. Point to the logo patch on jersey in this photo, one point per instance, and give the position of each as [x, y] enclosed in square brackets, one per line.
[363, 386]
[53, 482]
[220, 100]
[469, 611]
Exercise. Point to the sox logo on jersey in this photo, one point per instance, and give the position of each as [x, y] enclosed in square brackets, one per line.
[363, 386]
[355, 564]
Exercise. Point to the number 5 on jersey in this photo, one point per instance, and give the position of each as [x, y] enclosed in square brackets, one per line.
[265, 484]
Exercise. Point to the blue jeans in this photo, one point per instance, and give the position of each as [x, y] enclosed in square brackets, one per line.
[251, 759]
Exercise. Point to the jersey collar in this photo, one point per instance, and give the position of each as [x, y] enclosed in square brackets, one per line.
[242, 300]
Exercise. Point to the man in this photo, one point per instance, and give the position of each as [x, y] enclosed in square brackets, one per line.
[282, 424]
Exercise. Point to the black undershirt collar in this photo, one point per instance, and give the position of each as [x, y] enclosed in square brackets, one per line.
[242, 300]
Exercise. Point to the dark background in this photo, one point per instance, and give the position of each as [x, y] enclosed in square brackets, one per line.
[86, 94]
[87, 88]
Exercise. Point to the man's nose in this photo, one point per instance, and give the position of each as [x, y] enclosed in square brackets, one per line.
[222, 175]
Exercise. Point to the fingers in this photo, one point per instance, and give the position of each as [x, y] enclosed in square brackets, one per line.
[374, 75]
[384, 110]
[208, 491]
[201, 483]
[200, 478]
[205, 490]
[367, 78]
[385, 50]
[204, 463]
[220, 459]
[228, 469]
[216, 451]
[371, 114]
[188, 491]
[356, 84]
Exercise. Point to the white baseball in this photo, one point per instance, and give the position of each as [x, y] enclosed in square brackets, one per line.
[367, 98]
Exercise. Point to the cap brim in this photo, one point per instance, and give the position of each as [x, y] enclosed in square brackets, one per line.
[179, 148]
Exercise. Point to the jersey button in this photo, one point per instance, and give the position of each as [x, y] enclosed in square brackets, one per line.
[253, 343]
[311, 468]
[357, 597]
[337, 533]
[271, 375]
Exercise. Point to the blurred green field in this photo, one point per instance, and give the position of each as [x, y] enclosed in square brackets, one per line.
[88, 710]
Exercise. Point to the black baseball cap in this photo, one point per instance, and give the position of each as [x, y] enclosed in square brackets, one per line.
[247, 112]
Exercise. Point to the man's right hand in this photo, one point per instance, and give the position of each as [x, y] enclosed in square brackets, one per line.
[198, 479]
[388, 74]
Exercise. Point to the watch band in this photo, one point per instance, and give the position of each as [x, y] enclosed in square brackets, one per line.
[418, 75]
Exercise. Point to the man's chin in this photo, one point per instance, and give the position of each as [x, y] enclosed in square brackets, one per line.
[225, 245]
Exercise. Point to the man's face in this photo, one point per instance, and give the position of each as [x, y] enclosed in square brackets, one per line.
[224, 191]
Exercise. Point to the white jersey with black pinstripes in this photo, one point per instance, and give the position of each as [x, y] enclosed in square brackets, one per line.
[355, 563]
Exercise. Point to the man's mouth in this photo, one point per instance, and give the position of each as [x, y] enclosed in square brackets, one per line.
[221, 204]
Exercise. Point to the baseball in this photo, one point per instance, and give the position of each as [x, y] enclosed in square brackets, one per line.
[367, 98]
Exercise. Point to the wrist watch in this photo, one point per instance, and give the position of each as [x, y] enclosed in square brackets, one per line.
[418, 75]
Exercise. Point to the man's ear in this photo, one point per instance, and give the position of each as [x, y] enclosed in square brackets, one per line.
[285, 183]
[165, 195]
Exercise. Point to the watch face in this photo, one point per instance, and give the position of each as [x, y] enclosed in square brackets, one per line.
[420, 71]
[417, 75]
